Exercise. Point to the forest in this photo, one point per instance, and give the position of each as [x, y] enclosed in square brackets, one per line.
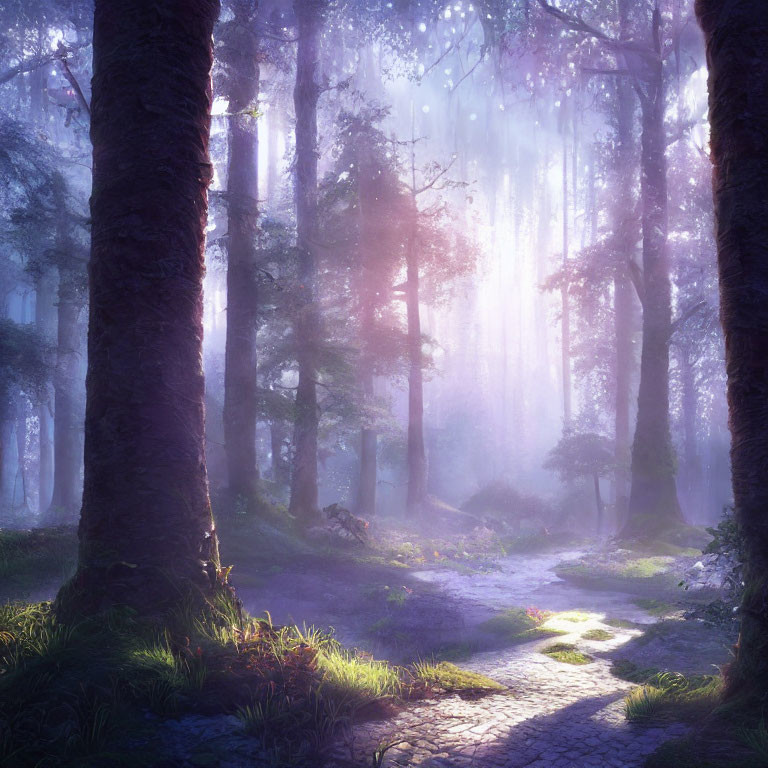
[383, 383]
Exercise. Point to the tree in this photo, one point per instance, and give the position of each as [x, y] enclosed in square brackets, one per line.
[240, 54]
[67, 450]
[303, 502]
[583, 455]
[737, 54]
[146, 533]
[653, 502]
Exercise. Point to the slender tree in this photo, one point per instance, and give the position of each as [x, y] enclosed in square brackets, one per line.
[67, 445]
[303, 502]
[146, 532]
[241, 56]
[736, 36]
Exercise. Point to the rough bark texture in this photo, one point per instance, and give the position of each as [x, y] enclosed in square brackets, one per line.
[653, 504]
[736, 35]
[240, 383]
[303, 503]
[146, 532]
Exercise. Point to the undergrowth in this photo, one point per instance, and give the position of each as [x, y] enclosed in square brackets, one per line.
[673, 696]
[70, 694]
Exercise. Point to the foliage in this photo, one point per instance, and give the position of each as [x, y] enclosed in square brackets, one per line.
[567, 653]
[446, 676]
[670, 695]
[581, 455]
[728, 547]
[598, 634]
[519, 625]
[24, 364]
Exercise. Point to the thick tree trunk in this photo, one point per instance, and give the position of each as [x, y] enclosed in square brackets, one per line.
[45, 321]
[146, 532]
[303, 504]
[737, 53]
[240, 383]
[653, 504]
[67, 418]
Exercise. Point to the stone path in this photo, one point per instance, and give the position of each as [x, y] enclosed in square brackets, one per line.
[555, 715]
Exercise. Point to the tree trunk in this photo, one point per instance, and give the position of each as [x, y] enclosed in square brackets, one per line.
[303, 504]
[691, 474]
[240, 383]
[653, 504]
[599, 504]
[67, 419]
[625, 234]
[280, 469]
[416, 455]
[146, 533]
[566, 308]
[45, 321]
[737, 53]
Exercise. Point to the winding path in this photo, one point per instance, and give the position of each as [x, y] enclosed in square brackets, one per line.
[555, 715]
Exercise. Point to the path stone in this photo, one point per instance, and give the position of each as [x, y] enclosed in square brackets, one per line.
[555, 715]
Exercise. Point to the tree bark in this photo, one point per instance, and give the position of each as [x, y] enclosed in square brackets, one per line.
[653, 503]
[737, 54]
[303, 503]
[146, 533]
[240, 382]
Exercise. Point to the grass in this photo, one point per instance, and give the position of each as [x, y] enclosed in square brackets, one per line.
[574, 616]
[519, 625]
[567, 653]
[451, 678]
[645, 567]
[620, 623]
[70, 695]
[598, 634]
[672, 696]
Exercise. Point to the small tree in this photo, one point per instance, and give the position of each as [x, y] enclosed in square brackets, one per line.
[583, 455]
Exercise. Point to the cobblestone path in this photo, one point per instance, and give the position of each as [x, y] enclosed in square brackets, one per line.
[554, 715]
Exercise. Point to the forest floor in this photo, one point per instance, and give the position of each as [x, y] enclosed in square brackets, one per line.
[614, 617]
[620, 613]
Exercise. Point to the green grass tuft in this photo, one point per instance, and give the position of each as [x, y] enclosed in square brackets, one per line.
[567, 653]
[451, 678]
[598, 634]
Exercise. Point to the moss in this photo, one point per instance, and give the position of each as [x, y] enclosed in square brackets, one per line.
[631, 672]
[598, 634]
[451, 678]
[645, 567]
[621, 623]
[567, 653]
